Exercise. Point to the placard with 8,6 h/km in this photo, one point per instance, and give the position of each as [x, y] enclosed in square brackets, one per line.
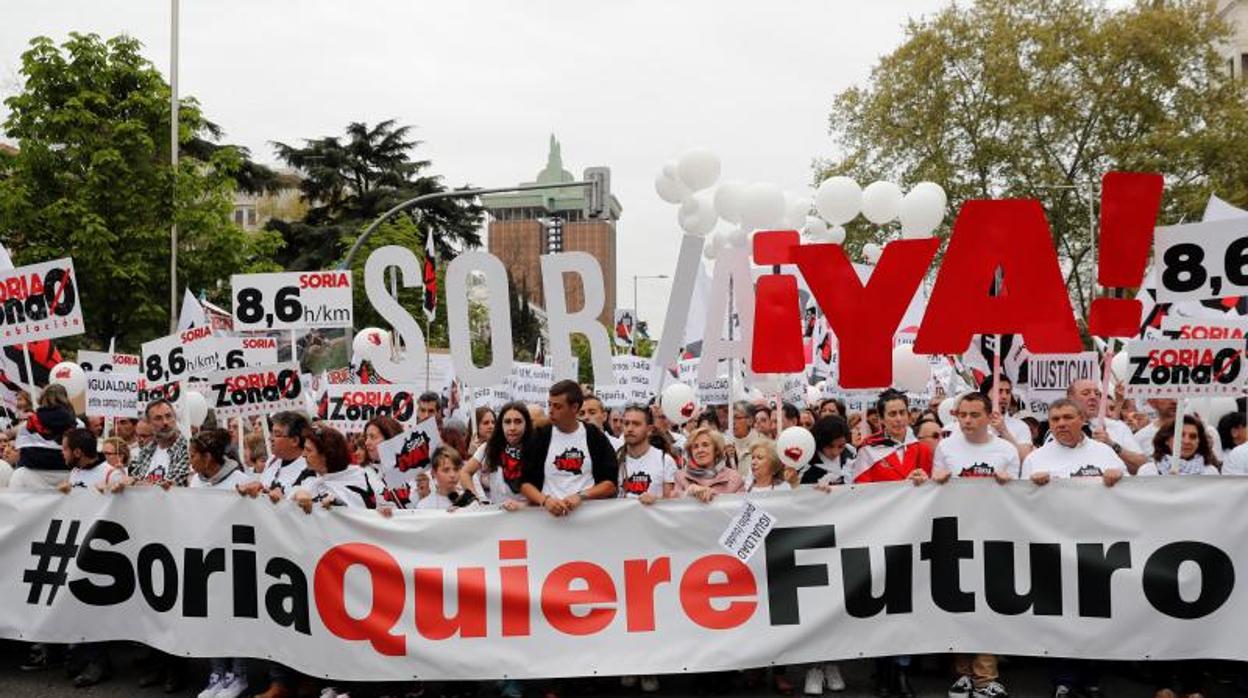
[291, 300]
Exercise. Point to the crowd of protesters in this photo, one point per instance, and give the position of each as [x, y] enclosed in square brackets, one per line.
[559, 455]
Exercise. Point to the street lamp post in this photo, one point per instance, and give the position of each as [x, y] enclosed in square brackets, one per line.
[636, 313]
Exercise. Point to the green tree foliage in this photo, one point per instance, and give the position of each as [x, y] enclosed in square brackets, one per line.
[1038, 99]
[349, 182]
[92, 180]
[526, 327]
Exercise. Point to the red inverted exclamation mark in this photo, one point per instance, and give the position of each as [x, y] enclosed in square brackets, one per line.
[1129, 205]
[777, 310]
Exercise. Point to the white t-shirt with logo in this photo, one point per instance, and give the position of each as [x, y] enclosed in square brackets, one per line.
[1090, 458]
[234, 479]
[647, 474]
[965, 459]
[90, 478]
[159, 464]
[499, 491]
[568, 468]
[283, 476]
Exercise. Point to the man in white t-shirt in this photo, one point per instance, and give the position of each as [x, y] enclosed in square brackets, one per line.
[1165, 409]
[646, 472]
[1114, 433]
[974, 451]
[566, 462]
[1072, 453]
[1007, 426]
[286, 463]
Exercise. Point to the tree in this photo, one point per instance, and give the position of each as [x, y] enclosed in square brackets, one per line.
[92, 179]
[348, 184]
[1038, 99]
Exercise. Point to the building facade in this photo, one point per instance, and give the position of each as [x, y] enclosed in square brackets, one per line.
[1235, 14]
[525, 225]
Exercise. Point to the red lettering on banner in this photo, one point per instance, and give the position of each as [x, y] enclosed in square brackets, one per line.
[640, 579]
[323, 280]
[195, 333]
[777, 309]
[261, 343]
[252, 380]
[1011, 235]
[388, 596]
[865, 318]
[1129, 205]
[697, 591]
[431, 619]
[558, 598]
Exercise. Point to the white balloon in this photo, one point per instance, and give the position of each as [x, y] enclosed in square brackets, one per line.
[673, 191]
[698, 168]
[795, 446]
[881, 202]
[1211, 409]
[69, 375]
[196, 408]
[946, 411]
[729, 197]
[836, 235]
[1120, 366]
[871, 252]
[922, 211]
[713, 244]
[763, 206]
[697, 214]
[911, 371]
[370, 344]
[669, 170]
[679, 403]
[736, 238]
[796, 208]
[838, 199]
[936, 191]
[816, 229]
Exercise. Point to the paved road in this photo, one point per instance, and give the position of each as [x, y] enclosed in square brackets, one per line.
[1026, 678]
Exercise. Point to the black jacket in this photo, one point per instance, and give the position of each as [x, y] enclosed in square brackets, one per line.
[533, 458]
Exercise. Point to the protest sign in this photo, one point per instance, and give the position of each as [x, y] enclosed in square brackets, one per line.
[354, 596]
[188, 353]
[1049, 375]
[104, 362]
[349, 407]
[237, 352]
[243, 392]
[1185, 368]
[747, 531]
[40, 301]
[1229, 327]
[150, 391]
[112, 394]
[404, 455]
[288, 300]
[1202, 261]
[530, 382]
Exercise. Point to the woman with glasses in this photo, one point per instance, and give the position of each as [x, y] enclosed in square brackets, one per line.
[116, 453]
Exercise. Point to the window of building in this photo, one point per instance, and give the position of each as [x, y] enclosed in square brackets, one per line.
[238, 216]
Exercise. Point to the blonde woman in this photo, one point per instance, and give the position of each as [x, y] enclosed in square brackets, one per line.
[766, 469]
[706, 475]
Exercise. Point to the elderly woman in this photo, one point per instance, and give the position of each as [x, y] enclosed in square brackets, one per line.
[706, 475]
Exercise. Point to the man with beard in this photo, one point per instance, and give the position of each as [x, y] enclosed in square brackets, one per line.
[164, 461]
[647, 473]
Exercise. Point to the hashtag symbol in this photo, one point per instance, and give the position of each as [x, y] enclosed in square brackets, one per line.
[48, 552]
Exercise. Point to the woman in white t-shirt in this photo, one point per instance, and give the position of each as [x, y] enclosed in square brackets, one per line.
[1195, 455]
[766, 469]
[493, 472]
[331, 480]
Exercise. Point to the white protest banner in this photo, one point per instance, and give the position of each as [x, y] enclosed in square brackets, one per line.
[1069, 569]
[151, 391]
[289, 300]
[407, 454]
[112, 394]
[640, 389]
[1230, 327]
[349, 407]
[747, 531]
[237, 352]
[493, 397]
[188, 353]
[104, 362]
[243, 392]
[40, 301]
[1049, 375]
[1202, 261]
[1185, 368]
[530, 382]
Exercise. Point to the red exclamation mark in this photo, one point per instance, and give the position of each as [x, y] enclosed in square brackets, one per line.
[777, 311]
[1129, 205]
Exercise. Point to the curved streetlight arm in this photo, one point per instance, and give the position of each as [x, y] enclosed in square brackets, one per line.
[454, 193]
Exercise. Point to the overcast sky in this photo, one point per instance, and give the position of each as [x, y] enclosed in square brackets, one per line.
[623, 84]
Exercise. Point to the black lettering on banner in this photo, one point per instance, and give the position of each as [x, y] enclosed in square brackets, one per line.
[1001, 589]
[946, 552]
[1095, 570]
[103, 562]
[1161, 579]
[243, 568]
[1184, 271]
[199, 567]
[149, 556]
[293, 592]
[785, 576]
[898, 581]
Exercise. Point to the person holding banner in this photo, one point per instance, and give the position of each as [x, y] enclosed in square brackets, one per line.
[164, 461]
[41, 463]
[286, 443]
[89, 469]
[647, 470]
[1196, 455]
[707, 474]
[766, 469]
[445, 493]
[973, 451]
[894, 453]
[832, 454]
[1113, 433]
[567, 461]
[494, 470]
[1165, 409]
[330, 480]
[1071, 452]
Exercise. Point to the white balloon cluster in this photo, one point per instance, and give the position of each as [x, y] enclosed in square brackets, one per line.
[687, 181]
[920, 211]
